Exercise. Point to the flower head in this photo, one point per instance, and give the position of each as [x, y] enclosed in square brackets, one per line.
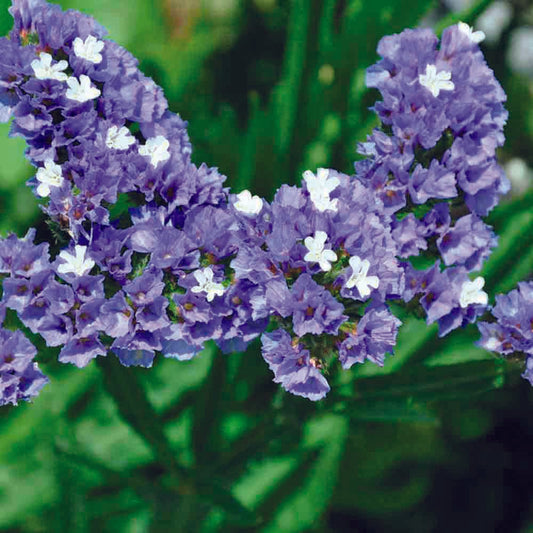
[119, 138]
[248, 204]
[471, 293]
[320, 187]
[474, 36]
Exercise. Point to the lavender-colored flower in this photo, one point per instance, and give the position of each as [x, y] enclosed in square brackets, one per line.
[370, 339]
[512, 331]
[468, 242]
[293, 366]
[20, 377]
[444, 109]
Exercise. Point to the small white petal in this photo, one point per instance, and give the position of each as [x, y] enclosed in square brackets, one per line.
[320, 187]
[48, 176]
[156, 148]
[89, 49]
[474, 36]
[75, 263]
[119, 138]
[359, 277]
[248, 204]
[44, 70]
[471, 293]
[81, 90]
[436, 81]
[206, 284]
[316, 253]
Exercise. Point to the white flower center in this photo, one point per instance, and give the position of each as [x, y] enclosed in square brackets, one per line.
[248, 204]
[474, 36]
[471, 293]
[316, 253]
[119, 138]
[48, 176]
[320, 187]
[206, 284]
[435, 81]
[82, 90]
[360, 277]
[156, 148]
[89, 49]
[44, 70]
[75, 263]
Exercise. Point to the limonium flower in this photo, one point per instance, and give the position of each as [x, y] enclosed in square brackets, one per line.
[311, 273]
[511, 330]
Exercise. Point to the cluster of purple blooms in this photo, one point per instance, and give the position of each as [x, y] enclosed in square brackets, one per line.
[511, 329]
[162, 258]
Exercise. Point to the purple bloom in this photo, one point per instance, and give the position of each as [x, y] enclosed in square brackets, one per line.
[293, 366]
[371, 338]
[20, 377]
[513, 329]
[468, 242]
[444, 109]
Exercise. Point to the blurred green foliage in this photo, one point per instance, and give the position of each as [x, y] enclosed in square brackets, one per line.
[438, 438]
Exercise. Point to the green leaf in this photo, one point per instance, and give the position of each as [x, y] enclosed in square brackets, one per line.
[123, 385]
[310, 499]
[421, 384]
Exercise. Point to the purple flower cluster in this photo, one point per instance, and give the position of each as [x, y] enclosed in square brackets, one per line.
[511, 332]
[443, 116]
[442, 119]
[322, 261]
[162, 258]
[95, 126]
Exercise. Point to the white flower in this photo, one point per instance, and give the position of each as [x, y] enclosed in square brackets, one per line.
[156, 148]
[248, 204]
[320, 187]
[75, 263]
[359, 277]
[48, 176]
[82, 90]
[316, 253]
[436, 81]
[119, 138]
[44, 70]
[89, 49]
[474, 36]
[471, 293]
[206, 284]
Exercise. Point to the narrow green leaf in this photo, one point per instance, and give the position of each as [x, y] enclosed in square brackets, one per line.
[421, 384]
[286, 93]
[123, 385]
[301, 510]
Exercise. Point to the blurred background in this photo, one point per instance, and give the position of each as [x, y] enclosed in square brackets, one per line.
[440, 438]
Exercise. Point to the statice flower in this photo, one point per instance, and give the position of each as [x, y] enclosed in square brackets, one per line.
[448, 296]
[20, 376]
[442, 119]
[316, 256]
[511, 331]
[159, 257]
